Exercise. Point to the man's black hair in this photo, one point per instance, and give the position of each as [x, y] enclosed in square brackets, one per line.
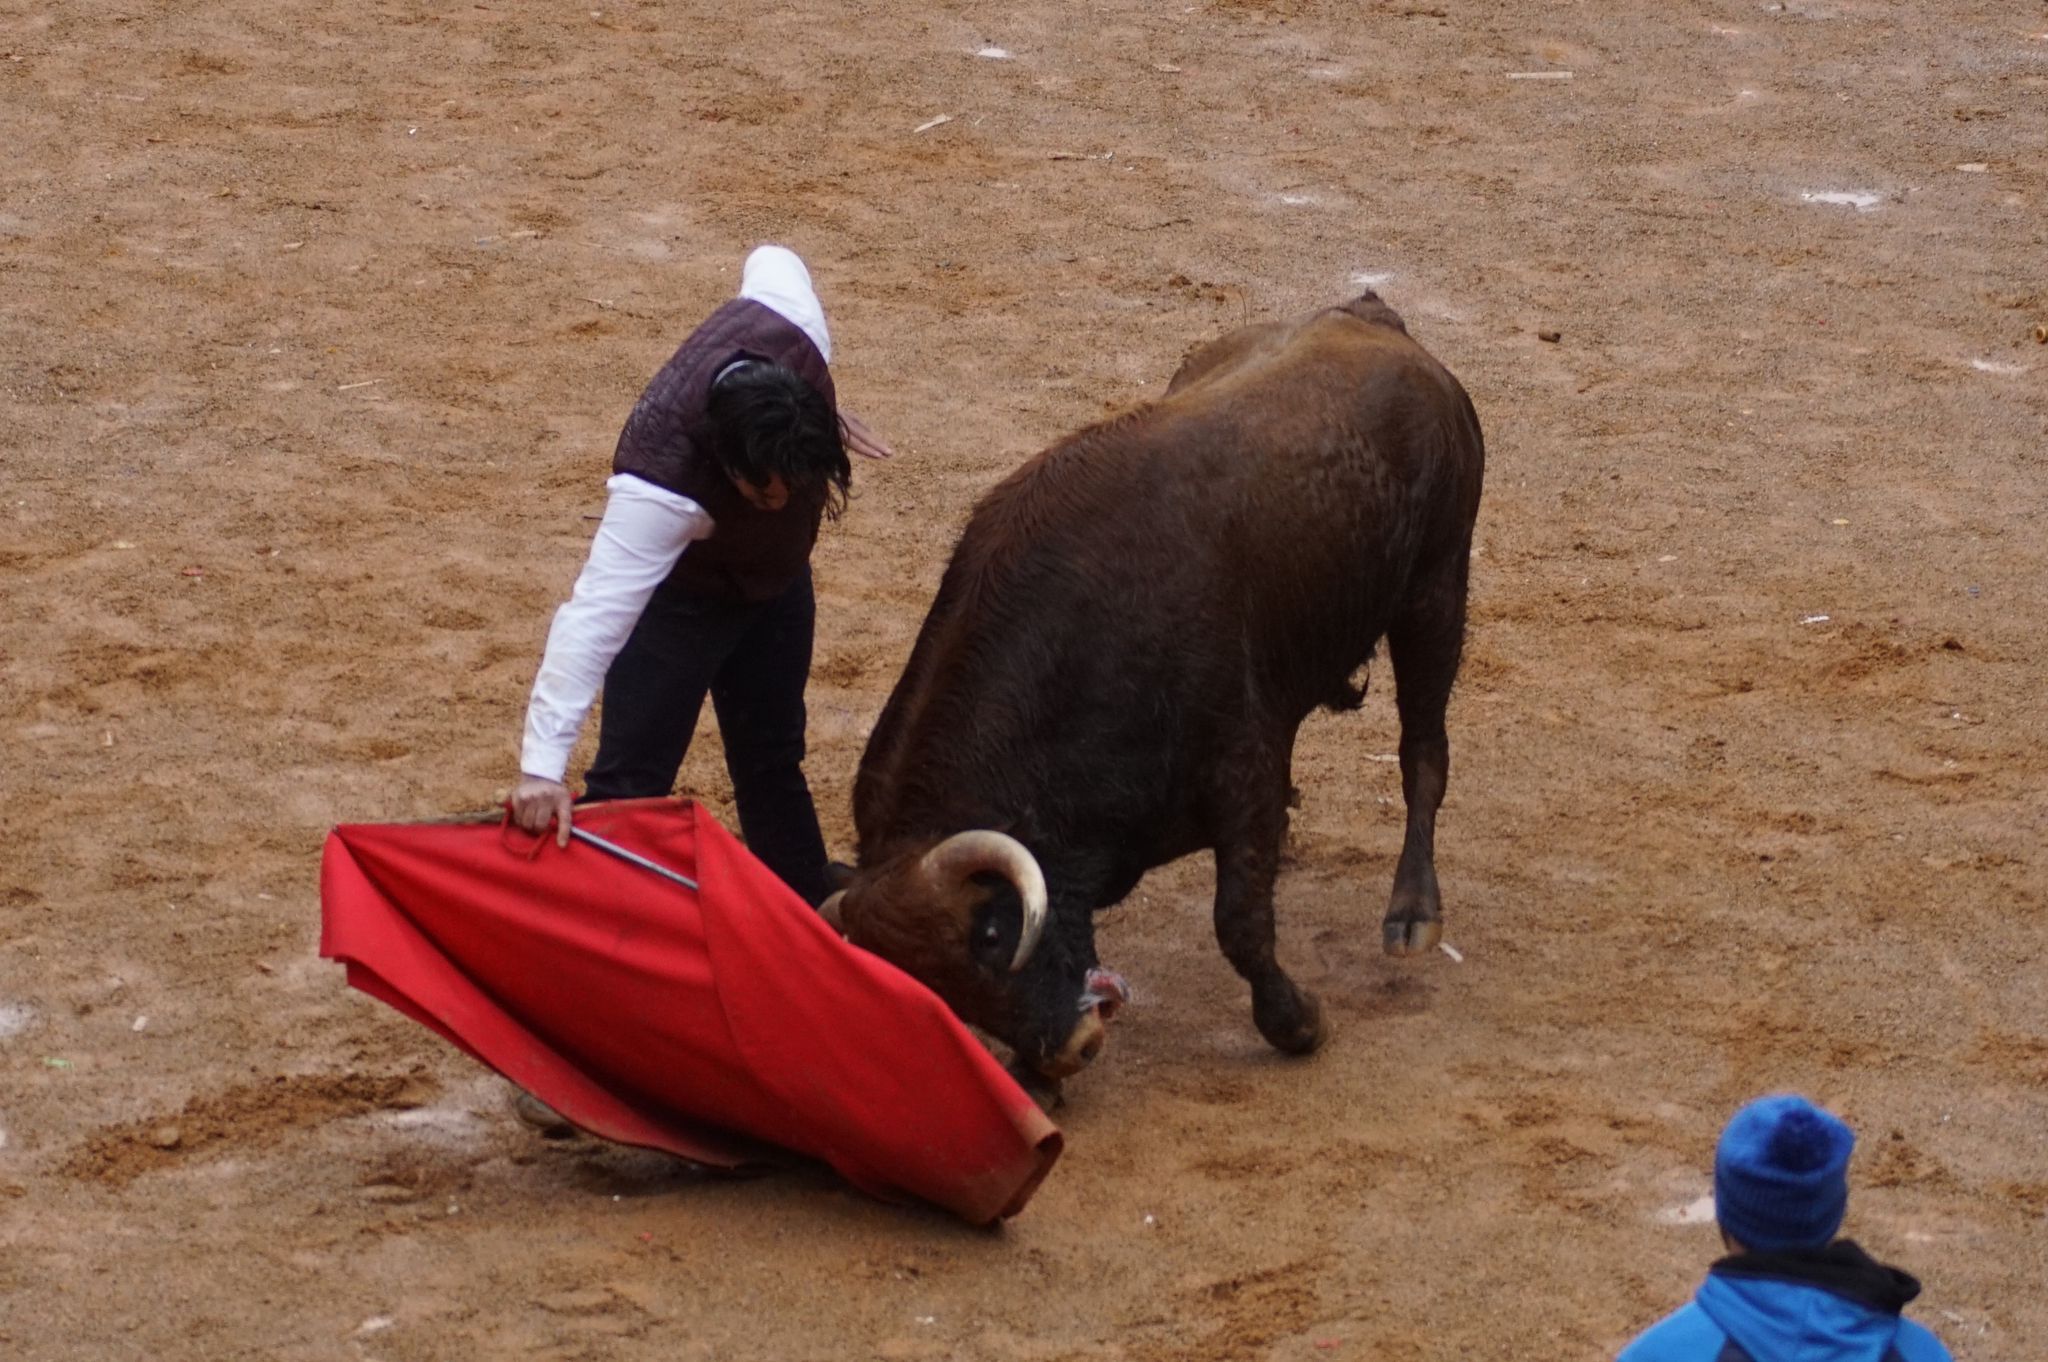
[771, 422]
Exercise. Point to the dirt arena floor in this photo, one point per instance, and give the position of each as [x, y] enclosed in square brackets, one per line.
[319, 323]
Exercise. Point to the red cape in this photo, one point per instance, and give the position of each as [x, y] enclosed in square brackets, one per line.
[692, 1022]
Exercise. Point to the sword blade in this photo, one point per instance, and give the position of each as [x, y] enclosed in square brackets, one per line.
[611, 848]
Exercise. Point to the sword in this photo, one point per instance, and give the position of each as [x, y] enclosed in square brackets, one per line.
[611, 848]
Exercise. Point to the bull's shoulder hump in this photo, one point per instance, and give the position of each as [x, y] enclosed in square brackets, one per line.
[1364, 325]
[1229, 352]
[1374, 332]
[1332, 348]
[1370, 350]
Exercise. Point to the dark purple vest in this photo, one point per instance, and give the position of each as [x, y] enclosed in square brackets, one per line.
[752, 555]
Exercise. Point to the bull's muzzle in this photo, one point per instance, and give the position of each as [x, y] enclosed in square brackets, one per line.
[1081, 1049]
[1103, 996]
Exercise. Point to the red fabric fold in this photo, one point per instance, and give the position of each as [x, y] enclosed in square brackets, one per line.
[703, 1023]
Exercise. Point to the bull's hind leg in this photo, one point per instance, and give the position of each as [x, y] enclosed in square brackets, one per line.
[1250, 808]
[1424, 642]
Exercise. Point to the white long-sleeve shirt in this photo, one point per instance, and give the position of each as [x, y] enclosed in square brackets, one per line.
[644, 531]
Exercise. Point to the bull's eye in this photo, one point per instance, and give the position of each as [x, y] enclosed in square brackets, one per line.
[985, 941]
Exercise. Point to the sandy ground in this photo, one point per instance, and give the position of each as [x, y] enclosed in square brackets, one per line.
[319, 323]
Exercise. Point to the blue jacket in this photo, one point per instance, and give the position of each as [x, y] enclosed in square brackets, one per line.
[1835, 1304]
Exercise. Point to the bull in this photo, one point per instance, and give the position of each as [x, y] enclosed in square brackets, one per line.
[1128, 636]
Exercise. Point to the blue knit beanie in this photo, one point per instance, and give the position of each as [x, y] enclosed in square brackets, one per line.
[1781, 1175]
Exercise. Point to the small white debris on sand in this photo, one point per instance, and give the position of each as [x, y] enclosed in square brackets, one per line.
[1700, 1212]
[1862, 200]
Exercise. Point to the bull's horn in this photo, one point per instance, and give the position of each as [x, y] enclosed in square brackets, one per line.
[970, 853]
[829, 910]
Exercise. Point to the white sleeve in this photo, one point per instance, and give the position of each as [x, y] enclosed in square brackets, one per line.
[775, 277]
[644, 531]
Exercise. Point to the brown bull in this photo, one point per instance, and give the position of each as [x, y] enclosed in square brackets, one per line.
[1131, 630]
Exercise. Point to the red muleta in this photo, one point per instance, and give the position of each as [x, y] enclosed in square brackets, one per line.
[701, 1022]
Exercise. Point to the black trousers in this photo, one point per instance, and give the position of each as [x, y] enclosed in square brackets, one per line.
[754, 660]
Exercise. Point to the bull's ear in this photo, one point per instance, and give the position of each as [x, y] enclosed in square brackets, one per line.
[838, 874]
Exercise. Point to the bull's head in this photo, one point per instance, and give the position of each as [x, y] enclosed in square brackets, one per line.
[968, 917]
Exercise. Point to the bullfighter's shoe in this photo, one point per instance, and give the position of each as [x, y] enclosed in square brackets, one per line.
[542, 1117]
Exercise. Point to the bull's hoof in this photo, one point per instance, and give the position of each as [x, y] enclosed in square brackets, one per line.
[1293, 1025]
[1415, 937]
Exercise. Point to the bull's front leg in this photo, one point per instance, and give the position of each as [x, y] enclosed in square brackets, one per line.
[1247, 864]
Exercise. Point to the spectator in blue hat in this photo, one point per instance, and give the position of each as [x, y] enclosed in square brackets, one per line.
[1789, 1291]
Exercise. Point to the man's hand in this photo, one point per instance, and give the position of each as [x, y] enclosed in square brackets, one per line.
[538, 801]
[862, 441]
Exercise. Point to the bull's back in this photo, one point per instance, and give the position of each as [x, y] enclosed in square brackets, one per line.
[1349, 459]
[1105, 601]
[1345, 390]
